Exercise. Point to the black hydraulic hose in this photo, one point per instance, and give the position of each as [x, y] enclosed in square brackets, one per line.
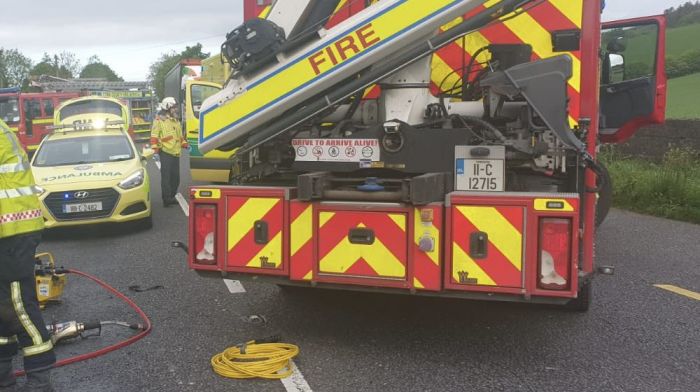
[338, 93]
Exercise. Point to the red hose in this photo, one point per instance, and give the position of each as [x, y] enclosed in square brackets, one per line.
[116, 346]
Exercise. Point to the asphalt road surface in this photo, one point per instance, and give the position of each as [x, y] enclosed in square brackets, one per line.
[636, 337]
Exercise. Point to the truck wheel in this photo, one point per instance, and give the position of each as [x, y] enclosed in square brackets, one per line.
[605, 198]
[584, 300]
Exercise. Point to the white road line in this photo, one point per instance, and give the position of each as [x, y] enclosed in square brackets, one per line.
[234, 286]
[183, 204]
[295, 382]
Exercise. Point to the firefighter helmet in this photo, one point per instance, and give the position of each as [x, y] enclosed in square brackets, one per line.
[168, 103]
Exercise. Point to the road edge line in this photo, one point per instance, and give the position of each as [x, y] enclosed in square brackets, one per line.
[679, 291]
[183, 204]
[296, 382]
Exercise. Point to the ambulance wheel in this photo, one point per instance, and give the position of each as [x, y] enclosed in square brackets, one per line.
[605, 197]
[584, 300]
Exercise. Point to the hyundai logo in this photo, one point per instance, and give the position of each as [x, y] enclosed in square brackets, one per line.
[81, 195]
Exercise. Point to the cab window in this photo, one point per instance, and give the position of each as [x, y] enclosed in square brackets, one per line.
[630, 53]
[32, 109]
[9, 110]
[48, 108]
[199, 94]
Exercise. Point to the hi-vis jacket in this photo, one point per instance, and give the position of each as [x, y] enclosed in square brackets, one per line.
[166, 135]
[20, 209]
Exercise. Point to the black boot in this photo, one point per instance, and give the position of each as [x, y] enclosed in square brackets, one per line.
[38, 381]
[7, 375]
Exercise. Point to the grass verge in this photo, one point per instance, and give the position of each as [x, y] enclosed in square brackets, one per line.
[670, 189]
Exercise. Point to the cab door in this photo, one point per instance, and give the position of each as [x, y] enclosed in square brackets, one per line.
[633, 77]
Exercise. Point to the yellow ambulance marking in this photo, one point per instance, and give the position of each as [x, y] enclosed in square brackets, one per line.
[324, 217]
[272, 253]
[377, 256]
[242, 221]
[573, 10]
[420, 230]
[417, 284]
[289, 79]
[506, 238]
[309, 276]
[42, 121]
[542, 205]
[302, 230]
[464, 263]
[400, 220]
[679, 291]
[528, 30]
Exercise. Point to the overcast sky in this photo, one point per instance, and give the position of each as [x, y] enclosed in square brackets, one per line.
[129, 35]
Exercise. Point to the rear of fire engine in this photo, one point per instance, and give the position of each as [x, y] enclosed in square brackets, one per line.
[479, 184]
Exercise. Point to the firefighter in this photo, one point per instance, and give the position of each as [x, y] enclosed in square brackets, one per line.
[21, 223]
[167, 141]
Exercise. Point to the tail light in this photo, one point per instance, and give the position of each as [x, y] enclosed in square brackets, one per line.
[204, 234]
[555, 254]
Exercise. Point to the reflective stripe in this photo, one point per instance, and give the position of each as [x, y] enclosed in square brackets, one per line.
[23, 316]
[20, 216]
[13, 140]
[7, 341]
[18, 192]
[14, 167]
[38, 349]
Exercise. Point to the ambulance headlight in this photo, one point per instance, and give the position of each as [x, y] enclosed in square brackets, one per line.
[133, 180]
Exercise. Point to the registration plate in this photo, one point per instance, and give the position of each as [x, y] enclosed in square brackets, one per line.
[480, 175]
[82, 207]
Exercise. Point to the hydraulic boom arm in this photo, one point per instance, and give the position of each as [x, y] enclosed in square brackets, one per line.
[282, 82]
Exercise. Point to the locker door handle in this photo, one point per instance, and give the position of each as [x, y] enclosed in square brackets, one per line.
[361, 236]
[479, 245]
[262, 232]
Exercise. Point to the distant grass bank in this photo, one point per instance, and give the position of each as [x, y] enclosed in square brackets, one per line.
[684, 97]
[670, 189]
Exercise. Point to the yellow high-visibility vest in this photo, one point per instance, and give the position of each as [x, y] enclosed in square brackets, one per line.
[20, 208]
[166, 135]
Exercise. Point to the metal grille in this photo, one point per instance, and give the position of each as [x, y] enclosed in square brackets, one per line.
[55, 201]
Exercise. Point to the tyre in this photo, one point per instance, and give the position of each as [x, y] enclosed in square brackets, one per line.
[584, 300]
[605, 197]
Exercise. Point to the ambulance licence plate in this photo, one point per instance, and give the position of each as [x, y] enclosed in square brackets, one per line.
[82, 207]
[480, 175]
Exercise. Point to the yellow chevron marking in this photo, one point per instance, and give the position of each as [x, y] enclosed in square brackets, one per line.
[440, 73]
[506, 238]
[377, 255]
[309, 276]
[340, 6]
[417, 284]
[528, 30]
[243, 220]
[400, 220]
[573, 10]
[272, 252]
[463, 263]
[302, 230]
[324, 217]
[422, 229]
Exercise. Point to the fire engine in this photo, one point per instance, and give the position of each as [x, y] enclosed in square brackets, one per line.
[473, 174]
[31, 114]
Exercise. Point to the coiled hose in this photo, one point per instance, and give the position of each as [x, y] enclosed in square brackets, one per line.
[256, 359]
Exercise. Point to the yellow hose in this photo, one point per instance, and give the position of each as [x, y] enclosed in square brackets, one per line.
[267, 360]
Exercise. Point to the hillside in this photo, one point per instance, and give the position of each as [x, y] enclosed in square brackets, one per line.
[681, 39]
[683, 97]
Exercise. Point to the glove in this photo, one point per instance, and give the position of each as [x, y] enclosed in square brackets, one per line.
[186, 146]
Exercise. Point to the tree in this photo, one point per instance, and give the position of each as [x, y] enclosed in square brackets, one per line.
[63, 65]
[14, 68]
[167, 61]
[97, 69]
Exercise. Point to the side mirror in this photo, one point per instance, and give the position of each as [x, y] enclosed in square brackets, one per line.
[616, 68]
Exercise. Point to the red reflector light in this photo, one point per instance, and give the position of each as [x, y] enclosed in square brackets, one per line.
[204, 234]
[555, 254]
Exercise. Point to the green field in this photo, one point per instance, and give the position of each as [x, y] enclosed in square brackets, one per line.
[684, 97]
[682, 39]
